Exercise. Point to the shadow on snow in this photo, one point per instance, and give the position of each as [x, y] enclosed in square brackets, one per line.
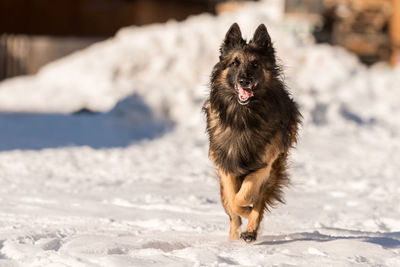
[131, 120]
[386, 240]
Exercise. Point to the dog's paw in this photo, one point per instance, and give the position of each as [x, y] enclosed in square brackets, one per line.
[248, 236]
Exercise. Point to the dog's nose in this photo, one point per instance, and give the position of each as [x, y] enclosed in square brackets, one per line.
[244, 82]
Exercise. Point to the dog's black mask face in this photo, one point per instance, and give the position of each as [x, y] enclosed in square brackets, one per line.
[247, 66]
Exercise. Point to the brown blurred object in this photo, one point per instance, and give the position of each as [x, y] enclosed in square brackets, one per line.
[35, 32]
[23, 54]
[91, 17]
[395, 33]
[361, 26]
[229, 6]
[369, 28]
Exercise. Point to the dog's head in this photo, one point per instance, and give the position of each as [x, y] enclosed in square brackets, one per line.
[244, 68]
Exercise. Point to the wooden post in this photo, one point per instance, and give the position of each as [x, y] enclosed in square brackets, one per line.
[395, 33]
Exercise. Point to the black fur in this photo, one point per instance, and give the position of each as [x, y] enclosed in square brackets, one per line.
[239, 139]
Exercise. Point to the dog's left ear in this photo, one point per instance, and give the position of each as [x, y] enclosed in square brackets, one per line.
[261, 37]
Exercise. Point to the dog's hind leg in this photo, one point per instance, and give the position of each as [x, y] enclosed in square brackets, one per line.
[229, 185]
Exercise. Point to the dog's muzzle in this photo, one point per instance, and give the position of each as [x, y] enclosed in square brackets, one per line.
[244, 93]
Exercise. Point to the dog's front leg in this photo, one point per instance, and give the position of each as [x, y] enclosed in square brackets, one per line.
[229, 187]
[250, 188]
[249, 191]
[249, 194]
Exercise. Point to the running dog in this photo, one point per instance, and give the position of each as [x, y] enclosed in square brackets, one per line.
[252, 122]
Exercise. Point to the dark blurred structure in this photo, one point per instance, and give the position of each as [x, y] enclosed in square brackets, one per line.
[91, 17]
[24, 54]
[34, 32]
[361, 26]
[304, 6]
[369, 28]
[304, 11]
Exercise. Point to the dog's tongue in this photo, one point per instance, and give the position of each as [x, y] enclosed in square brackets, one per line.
[245, 93]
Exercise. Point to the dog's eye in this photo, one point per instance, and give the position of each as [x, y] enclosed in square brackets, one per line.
[235, 63]
[254, 64]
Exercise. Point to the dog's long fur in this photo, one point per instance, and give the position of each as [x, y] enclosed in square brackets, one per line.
[249, 140]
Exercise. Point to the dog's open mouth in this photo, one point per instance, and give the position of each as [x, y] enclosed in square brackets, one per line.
[244, 94]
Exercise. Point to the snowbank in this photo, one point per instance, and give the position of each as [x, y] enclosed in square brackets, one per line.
[169, 65]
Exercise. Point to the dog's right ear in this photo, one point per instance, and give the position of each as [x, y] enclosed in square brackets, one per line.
[233, 38]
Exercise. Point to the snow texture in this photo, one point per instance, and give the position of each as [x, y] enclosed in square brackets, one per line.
[103, 156]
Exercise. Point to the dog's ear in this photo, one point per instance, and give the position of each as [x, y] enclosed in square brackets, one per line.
[261, 37]
[233, 38]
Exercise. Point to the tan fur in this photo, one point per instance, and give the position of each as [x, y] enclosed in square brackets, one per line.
[250, 188]
[230, 185]
[239, 195]
[222, 79]
[267, 75]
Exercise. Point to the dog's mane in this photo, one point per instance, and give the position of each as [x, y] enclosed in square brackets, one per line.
[238, 141]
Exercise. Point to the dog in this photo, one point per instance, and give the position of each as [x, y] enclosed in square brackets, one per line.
[252, 122]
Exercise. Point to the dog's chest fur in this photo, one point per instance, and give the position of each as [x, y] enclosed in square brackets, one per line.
[238, 147]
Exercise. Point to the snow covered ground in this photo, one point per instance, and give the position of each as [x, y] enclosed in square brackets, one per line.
[130, 184]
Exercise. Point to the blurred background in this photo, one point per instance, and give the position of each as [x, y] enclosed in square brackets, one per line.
[35, 32]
